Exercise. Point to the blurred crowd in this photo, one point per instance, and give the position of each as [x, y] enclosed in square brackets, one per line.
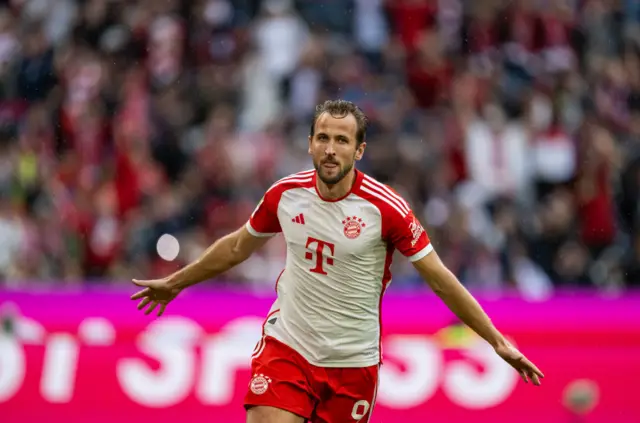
[512, 128]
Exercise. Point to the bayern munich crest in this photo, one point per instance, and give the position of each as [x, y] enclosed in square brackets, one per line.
[353, 227]
[259, 384]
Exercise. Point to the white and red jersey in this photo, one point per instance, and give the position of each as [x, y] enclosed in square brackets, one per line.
[337, 267]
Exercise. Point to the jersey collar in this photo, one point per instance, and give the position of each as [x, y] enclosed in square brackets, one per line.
[354, 187]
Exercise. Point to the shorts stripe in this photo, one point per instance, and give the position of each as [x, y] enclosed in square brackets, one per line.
[375, 396]
[258, 345]
[260, 350]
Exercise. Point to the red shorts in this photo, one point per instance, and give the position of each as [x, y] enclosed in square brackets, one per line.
[283, 379]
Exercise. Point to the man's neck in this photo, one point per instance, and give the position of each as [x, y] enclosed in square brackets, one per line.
[339, 190]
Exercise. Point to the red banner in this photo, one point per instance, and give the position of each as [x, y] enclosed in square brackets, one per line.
[90, 357]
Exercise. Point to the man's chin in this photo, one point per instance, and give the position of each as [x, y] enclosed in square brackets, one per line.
[332, 178]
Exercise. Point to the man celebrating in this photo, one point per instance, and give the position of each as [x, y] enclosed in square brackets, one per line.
[319, 356]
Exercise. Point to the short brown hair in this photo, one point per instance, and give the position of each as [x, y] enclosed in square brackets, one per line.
[341, 109]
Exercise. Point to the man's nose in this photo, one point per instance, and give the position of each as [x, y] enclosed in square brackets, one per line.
[330, 151]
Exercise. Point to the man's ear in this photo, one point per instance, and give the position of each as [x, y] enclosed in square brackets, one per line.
[360, 150]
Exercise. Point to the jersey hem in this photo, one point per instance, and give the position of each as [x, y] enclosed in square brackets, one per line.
[422, 253]
[256, 233]
[347, 364]
[343, 364]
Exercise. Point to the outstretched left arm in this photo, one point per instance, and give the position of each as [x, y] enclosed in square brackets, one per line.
[445, 284]
[461, 302]
[404, 232]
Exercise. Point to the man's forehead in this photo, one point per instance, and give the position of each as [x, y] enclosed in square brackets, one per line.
[327, 122]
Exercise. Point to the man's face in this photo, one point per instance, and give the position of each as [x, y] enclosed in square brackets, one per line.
[333, 147]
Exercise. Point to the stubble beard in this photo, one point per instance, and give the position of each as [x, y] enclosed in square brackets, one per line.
[334, 179]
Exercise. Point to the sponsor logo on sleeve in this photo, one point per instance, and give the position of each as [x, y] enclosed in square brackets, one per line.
[416, 230]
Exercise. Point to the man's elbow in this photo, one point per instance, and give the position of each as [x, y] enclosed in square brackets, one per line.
[436, 283]
[435, 274]
[238, 255]
[241, 248]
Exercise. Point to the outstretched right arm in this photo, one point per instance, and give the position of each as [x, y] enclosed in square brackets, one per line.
[234, 248]
[221, 256]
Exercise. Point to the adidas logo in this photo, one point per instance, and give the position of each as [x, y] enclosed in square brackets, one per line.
[298, 219]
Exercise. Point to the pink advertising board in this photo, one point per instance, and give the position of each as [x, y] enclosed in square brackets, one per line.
[91, 357]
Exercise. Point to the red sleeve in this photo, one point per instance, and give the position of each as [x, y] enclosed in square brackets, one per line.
[400, 228]
[264, 220]
[407, 235]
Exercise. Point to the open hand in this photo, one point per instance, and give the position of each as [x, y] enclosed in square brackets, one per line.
[528, 370]
[156, 292]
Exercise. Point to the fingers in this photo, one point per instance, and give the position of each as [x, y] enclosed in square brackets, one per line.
[142, 283]
[536, 370]
[530, 376]
[523, 375]
[144, 303]
[536, 380]
[143, 293]
[532, 370]
[161, 311]
[150, 309]
[528, 371]
[149, 297]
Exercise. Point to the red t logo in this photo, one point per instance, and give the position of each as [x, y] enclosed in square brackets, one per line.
[319, 256]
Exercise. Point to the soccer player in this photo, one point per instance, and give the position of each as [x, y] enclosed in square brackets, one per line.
[319, 356]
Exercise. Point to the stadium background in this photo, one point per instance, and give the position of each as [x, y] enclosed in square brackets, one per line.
[511, 127]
